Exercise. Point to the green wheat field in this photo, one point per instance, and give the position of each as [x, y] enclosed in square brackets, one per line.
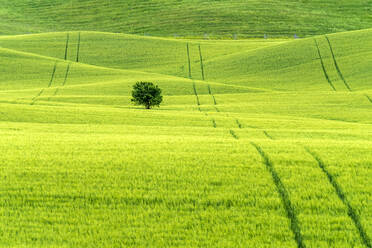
[259, 142]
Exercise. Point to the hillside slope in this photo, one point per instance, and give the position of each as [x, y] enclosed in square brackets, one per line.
[187, 18]
[336, 62]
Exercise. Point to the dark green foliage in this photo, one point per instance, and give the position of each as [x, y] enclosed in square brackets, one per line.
[147, 94]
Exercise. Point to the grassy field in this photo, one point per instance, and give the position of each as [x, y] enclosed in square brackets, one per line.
[267, 143]
[228, 19]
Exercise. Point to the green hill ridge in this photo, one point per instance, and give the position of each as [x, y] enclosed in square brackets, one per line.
[187, 18]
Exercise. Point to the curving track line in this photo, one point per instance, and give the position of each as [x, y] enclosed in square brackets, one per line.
[350, 211]
[323, 66]
[336, 65]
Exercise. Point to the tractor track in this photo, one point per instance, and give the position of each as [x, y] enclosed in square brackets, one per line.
[369, 98]
[34, 99]
[283, 193]
[336, 65]
[323, 67]
[268, 135]
[64, 80]
[233, 134]
[341, 195]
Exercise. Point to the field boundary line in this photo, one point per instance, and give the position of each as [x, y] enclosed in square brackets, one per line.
[283, 193]
[350, 211]
[323, 66]
[336, 65]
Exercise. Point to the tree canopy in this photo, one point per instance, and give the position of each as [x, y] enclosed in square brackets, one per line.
[147, 94]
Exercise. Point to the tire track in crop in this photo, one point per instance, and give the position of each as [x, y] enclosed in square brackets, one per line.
[238, 124]
[214, 99]
[201, 63]
[336, 65]
[53, 74]
[268, 135]
[64, 80]
[78, 48]
[210, 93]
[369, 99]
[323, 66]
[233, 134]
[203, 78]
[49, 84]
[295, 227]
[66, 48]
[214, 124]
[35, 97]
[188, 59]
[195, 93]
[350, 211]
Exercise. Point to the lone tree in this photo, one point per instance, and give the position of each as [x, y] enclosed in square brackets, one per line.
[147, 94]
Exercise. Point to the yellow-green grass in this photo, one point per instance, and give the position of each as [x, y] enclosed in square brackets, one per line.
[233, 163]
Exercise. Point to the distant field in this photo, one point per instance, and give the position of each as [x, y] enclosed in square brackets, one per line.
[191, 18]
[271, 149]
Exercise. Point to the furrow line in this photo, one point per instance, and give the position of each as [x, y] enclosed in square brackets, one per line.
[350, 211]
[336, 65]
[295, 227]
[323, 66]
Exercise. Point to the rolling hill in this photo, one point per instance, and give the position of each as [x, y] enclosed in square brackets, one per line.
[187, 18]
[258, 143]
